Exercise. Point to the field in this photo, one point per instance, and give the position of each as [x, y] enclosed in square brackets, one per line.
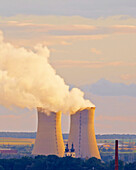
[24, 147]
[113, 140]
[16, 141]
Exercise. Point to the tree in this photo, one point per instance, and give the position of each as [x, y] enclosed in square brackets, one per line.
[1, 167]
[112, 165]
[131, 166]
[95, 163]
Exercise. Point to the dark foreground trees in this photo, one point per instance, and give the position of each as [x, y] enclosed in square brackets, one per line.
[53, 162]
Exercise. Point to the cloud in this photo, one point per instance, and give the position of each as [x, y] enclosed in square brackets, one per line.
[71, 25]
[107, 88]
[127, 77]
[89, 64]
[124, 119]
[86, 8]
[124, 29]
[95, 51]
[65, 35]
[27, 80]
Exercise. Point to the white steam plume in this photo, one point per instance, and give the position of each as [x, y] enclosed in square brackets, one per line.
[28, 80]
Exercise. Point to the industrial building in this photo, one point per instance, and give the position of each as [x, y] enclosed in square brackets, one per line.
[49, 140]
[70, 152]
[8, 151]
[82, 134]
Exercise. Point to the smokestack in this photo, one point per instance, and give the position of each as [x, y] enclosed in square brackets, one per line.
[116, 155]
[49, 140]
[82, 134]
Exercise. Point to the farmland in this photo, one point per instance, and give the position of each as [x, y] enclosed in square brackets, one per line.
[24, 142]
[16, 141]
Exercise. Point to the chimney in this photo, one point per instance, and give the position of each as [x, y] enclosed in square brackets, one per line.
[116, 155]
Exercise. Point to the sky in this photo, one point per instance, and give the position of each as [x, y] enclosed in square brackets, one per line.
[91, 43]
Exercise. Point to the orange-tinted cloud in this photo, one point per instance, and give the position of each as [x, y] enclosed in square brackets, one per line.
[89, 64]
[95, 51]
[128, 76]
[124, 29]
[112, 118]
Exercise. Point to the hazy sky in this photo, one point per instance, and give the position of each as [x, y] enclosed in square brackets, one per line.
[88, 40]
[80, 47]
[86, 8]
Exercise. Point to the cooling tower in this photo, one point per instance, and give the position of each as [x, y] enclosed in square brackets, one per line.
[82, 134]
[49, 140]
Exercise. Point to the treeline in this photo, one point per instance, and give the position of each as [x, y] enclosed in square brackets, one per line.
[65, 136]
[18, 134]
[31, 135]
[53, 162]
[116, 136]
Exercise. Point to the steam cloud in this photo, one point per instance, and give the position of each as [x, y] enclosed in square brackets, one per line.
[28, 80]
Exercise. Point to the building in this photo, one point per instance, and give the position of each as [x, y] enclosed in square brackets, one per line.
[8, 151]
[67, 153]
[49, 140]
[82, 133]
[70, 152]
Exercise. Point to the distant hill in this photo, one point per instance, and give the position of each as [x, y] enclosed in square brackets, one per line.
[65, 136]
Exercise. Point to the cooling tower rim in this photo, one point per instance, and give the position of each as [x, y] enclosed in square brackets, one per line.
[85, 108]
[43, 110]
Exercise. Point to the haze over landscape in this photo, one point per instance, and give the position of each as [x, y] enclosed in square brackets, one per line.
[92, 46]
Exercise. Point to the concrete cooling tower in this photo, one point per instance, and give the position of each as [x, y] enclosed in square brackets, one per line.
[49, 140]
[82, 134]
